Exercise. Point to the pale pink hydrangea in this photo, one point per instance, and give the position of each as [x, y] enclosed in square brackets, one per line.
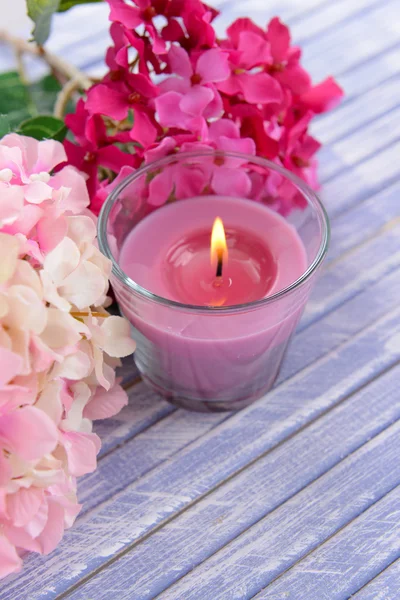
[58, 346]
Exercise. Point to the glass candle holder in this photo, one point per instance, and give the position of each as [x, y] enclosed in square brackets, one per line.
[225, 350]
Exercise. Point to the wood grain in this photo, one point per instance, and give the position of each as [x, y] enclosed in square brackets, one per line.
[347, 561]
[308, 519]
[383, 586]
[223, 515]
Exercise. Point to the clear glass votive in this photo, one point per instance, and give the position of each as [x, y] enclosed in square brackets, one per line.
[218, 355]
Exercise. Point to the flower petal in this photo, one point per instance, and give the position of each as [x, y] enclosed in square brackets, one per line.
[224, 127]
[254, 50]
[54, 529]
[279, 38]
[117, 337]
[143, 130]
[241, 145]
[26, 309]
[11, 203]
[260, 88]
[71, 181]
[37, 192]
[323, 97]
[231, 182]
[179, 62]
[81, 449]
[9, 249]
[85, 285]
[50, 232]
[213, 66]
[11, 364]
[195, 101]
[28, 432]
[50, 154]
[105, 404]
[169, 111]
[10, 562]
[105, 100]
[23, 505]
[62, 261]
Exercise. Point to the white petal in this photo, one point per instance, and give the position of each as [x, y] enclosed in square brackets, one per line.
[85, 286]
[9, 248]
[61, 262]
[118, 341]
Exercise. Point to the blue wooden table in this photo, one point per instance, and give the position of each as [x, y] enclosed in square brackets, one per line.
[298, 496]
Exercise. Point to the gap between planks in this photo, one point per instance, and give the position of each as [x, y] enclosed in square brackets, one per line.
[233, 475]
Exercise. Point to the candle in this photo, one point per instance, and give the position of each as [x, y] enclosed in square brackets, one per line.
[213, 286]
[168, 252]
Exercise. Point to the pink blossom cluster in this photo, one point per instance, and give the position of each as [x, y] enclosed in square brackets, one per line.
[58, 346]
[172, 85]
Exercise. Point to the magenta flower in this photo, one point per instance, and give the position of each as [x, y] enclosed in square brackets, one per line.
[142, 14]
[248, 79]
[115, 101]
[286, 66]
[253, 78]
[192, 94]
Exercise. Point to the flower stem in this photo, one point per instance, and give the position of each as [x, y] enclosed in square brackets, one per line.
[60, 66]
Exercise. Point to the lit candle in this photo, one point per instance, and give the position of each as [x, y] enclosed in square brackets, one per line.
[213, 286]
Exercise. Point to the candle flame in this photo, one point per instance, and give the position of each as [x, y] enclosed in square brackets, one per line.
[219, 249]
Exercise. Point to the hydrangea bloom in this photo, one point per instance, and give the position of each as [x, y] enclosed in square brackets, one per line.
[182, 83]
[58, 346]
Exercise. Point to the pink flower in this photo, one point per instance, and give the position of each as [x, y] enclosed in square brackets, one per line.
[116, 101]
[250, 52]
[323, 96]
[53, 356]
[286, 67]
[191, 94]
[132, 17]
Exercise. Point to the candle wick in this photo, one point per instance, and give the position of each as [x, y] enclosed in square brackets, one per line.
[219, 265]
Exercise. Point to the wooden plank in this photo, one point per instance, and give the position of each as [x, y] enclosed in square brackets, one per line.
[326, 16]
[362, 181]
[379, 28]
[307, 19]
[356, 271]
[182, 544]
[278, 541]
[196, 470]
[339, 326]
[385, 586]
[151, 447]
[369, 74]
[359, 145]
[364, 221]
[350, 559]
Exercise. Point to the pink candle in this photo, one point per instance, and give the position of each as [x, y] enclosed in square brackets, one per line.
[210, 356]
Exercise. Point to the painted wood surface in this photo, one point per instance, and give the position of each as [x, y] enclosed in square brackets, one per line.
[368, 543]
[382, 587]
[180, 545]
[290, 498]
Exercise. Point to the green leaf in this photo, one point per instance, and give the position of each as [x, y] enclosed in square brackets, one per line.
[41, 11]
[19, 103]
[14, 99]
[66, 4]
[4, 125]
[44, 127]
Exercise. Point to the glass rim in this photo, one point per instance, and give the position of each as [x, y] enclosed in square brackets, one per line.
[134, 287]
